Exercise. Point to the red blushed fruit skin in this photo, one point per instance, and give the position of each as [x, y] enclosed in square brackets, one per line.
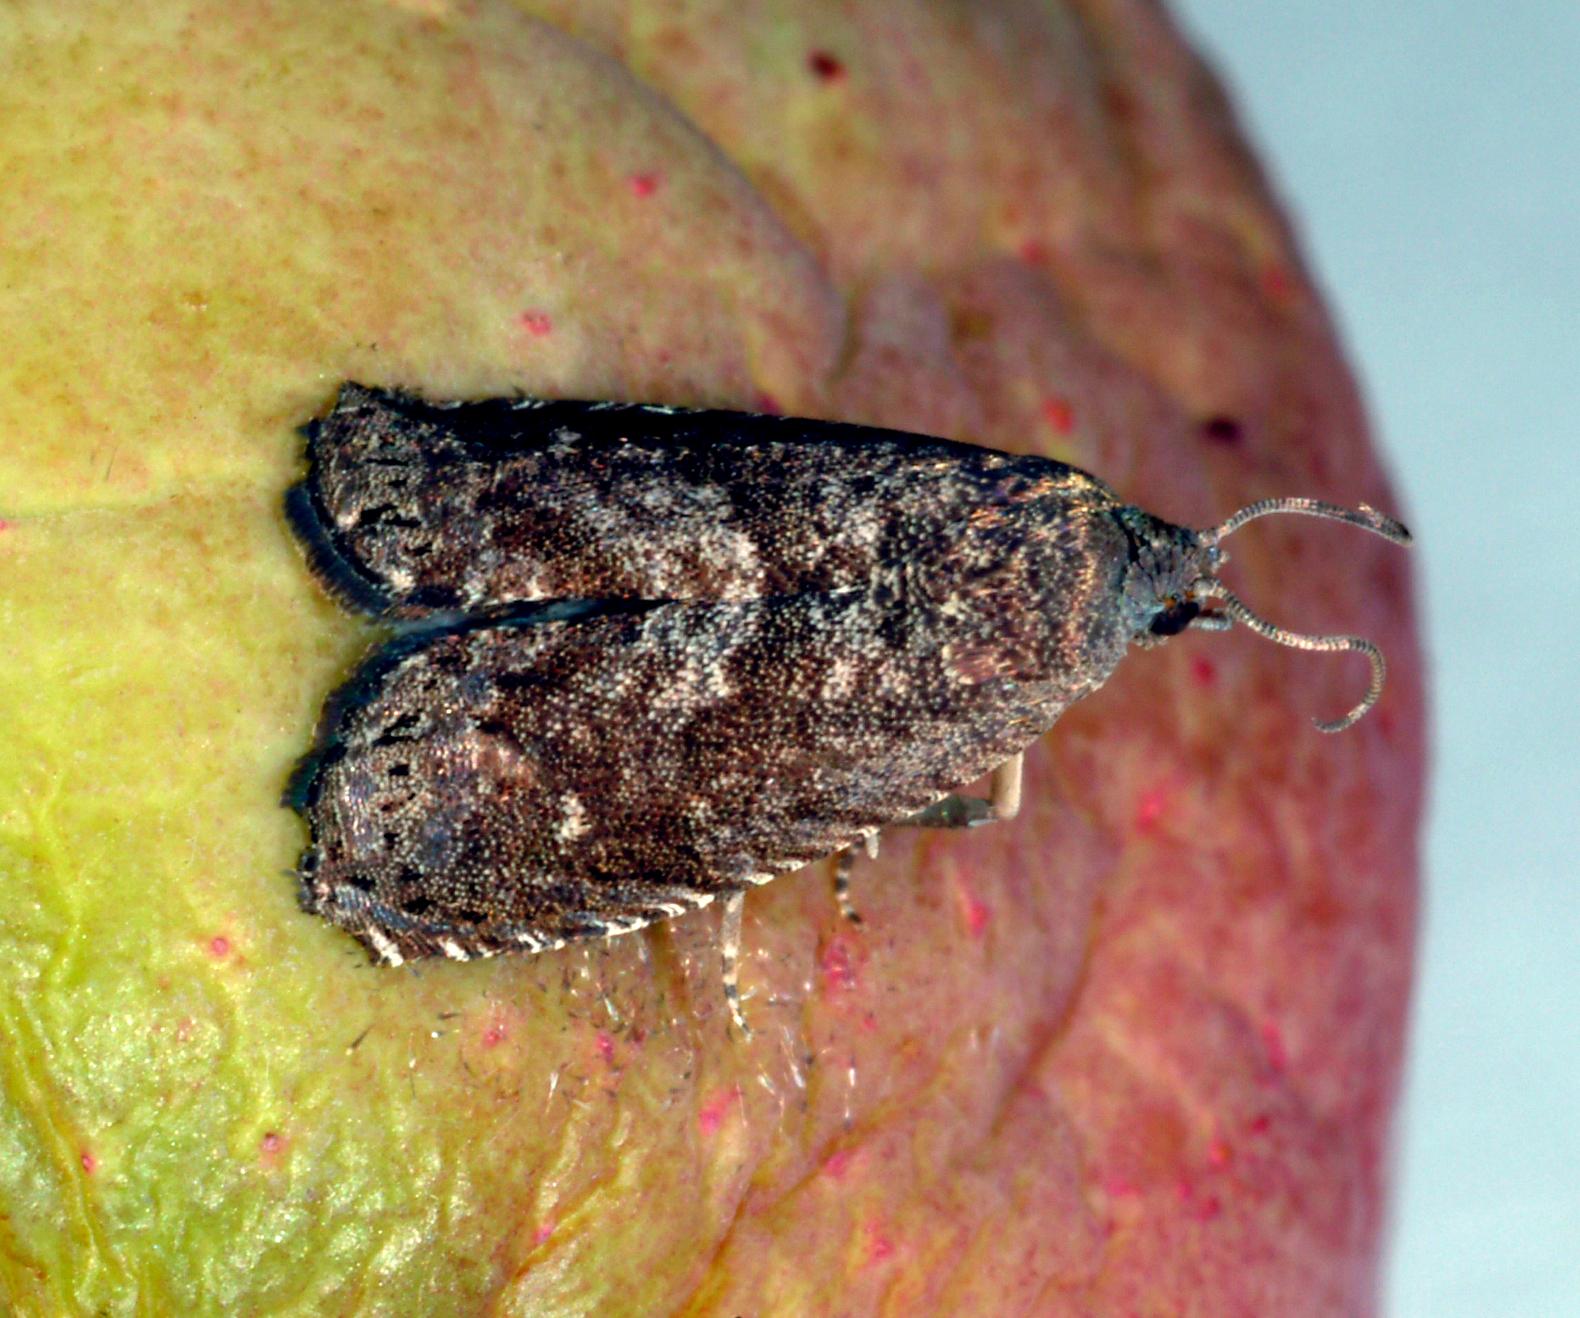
[1134, 1052]
[1137, 1051]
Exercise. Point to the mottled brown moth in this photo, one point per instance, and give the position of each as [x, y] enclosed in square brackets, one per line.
[649, 657]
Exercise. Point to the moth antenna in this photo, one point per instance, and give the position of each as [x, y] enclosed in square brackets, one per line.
[1236, 608]
[1366, 517]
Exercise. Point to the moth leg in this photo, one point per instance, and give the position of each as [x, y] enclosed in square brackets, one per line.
[1003, 802]
[842, 864]
[729, 953]
[1004, 787]
[842, 867]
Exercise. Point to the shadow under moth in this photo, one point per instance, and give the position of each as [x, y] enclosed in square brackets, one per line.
[648, 657]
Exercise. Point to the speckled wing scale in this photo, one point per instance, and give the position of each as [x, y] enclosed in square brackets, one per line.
[649, 657]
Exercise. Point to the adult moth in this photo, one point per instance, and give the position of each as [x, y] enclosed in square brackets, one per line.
[650, 657]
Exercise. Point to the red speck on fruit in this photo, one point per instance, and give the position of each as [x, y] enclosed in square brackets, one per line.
[825, 67]
[494, 1035]
[1149, 809]
[879, 1246]
[90, 1164]
[536, 323]
[1059, 414]
[605, 1046]
[1207, 1209]
[838, 1163]
[1273, 1042]
[219, 945]
[1033, 251]
[1117, 1187]
[1218, 1155]
[767, 404]
[644, 185]
[1278, 283]
[713, 1112]
[1119, 102]
[974, 912]
[272, 1141]
[1222, 430]
[4, 525]
[838, 972]
[977, 916]
[544, 1231]
[1203, 672]
[1260, 1125]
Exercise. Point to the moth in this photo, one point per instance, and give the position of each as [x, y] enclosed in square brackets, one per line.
[648, 657]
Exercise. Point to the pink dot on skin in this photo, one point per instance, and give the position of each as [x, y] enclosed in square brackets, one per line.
[644, 185]
[713, 1112]
[1218, 1155]
[838, 1163]
[1149, 809]
[879, 1246]
[1203, 672]
[536, 323]
[272, 1142]
[1261, 1124]
[1117, 1187]
[90, 1164]
[544, 1231]
[825, 67]
[1059, 414]
[767, 404]
[4, 525]
[838, 972]
[1033, 251]
[494, 1035]
[219, 945]
[976, 914]
[605, 1046]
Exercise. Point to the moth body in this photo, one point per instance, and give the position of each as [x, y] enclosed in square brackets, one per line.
[654, 657]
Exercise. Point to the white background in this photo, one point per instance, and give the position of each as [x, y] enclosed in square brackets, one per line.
[1430, 153]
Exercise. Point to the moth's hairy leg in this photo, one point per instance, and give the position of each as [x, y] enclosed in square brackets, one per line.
[1004, 787]
[1002, 802]
[729, 954]
[842, 865]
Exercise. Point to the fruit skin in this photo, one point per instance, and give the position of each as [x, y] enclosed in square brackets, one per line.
[1135, 1052]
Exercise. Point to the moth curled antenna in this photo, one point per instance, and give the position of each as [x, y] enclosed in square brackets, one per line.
[1236, 609]
[1366, 517]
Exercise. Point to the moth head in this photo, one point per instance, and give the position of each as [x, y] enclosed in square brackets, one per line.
[1172, 584]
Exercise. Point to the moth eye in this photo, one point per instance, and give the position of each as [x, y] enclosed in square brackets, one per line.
[1176, 616]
